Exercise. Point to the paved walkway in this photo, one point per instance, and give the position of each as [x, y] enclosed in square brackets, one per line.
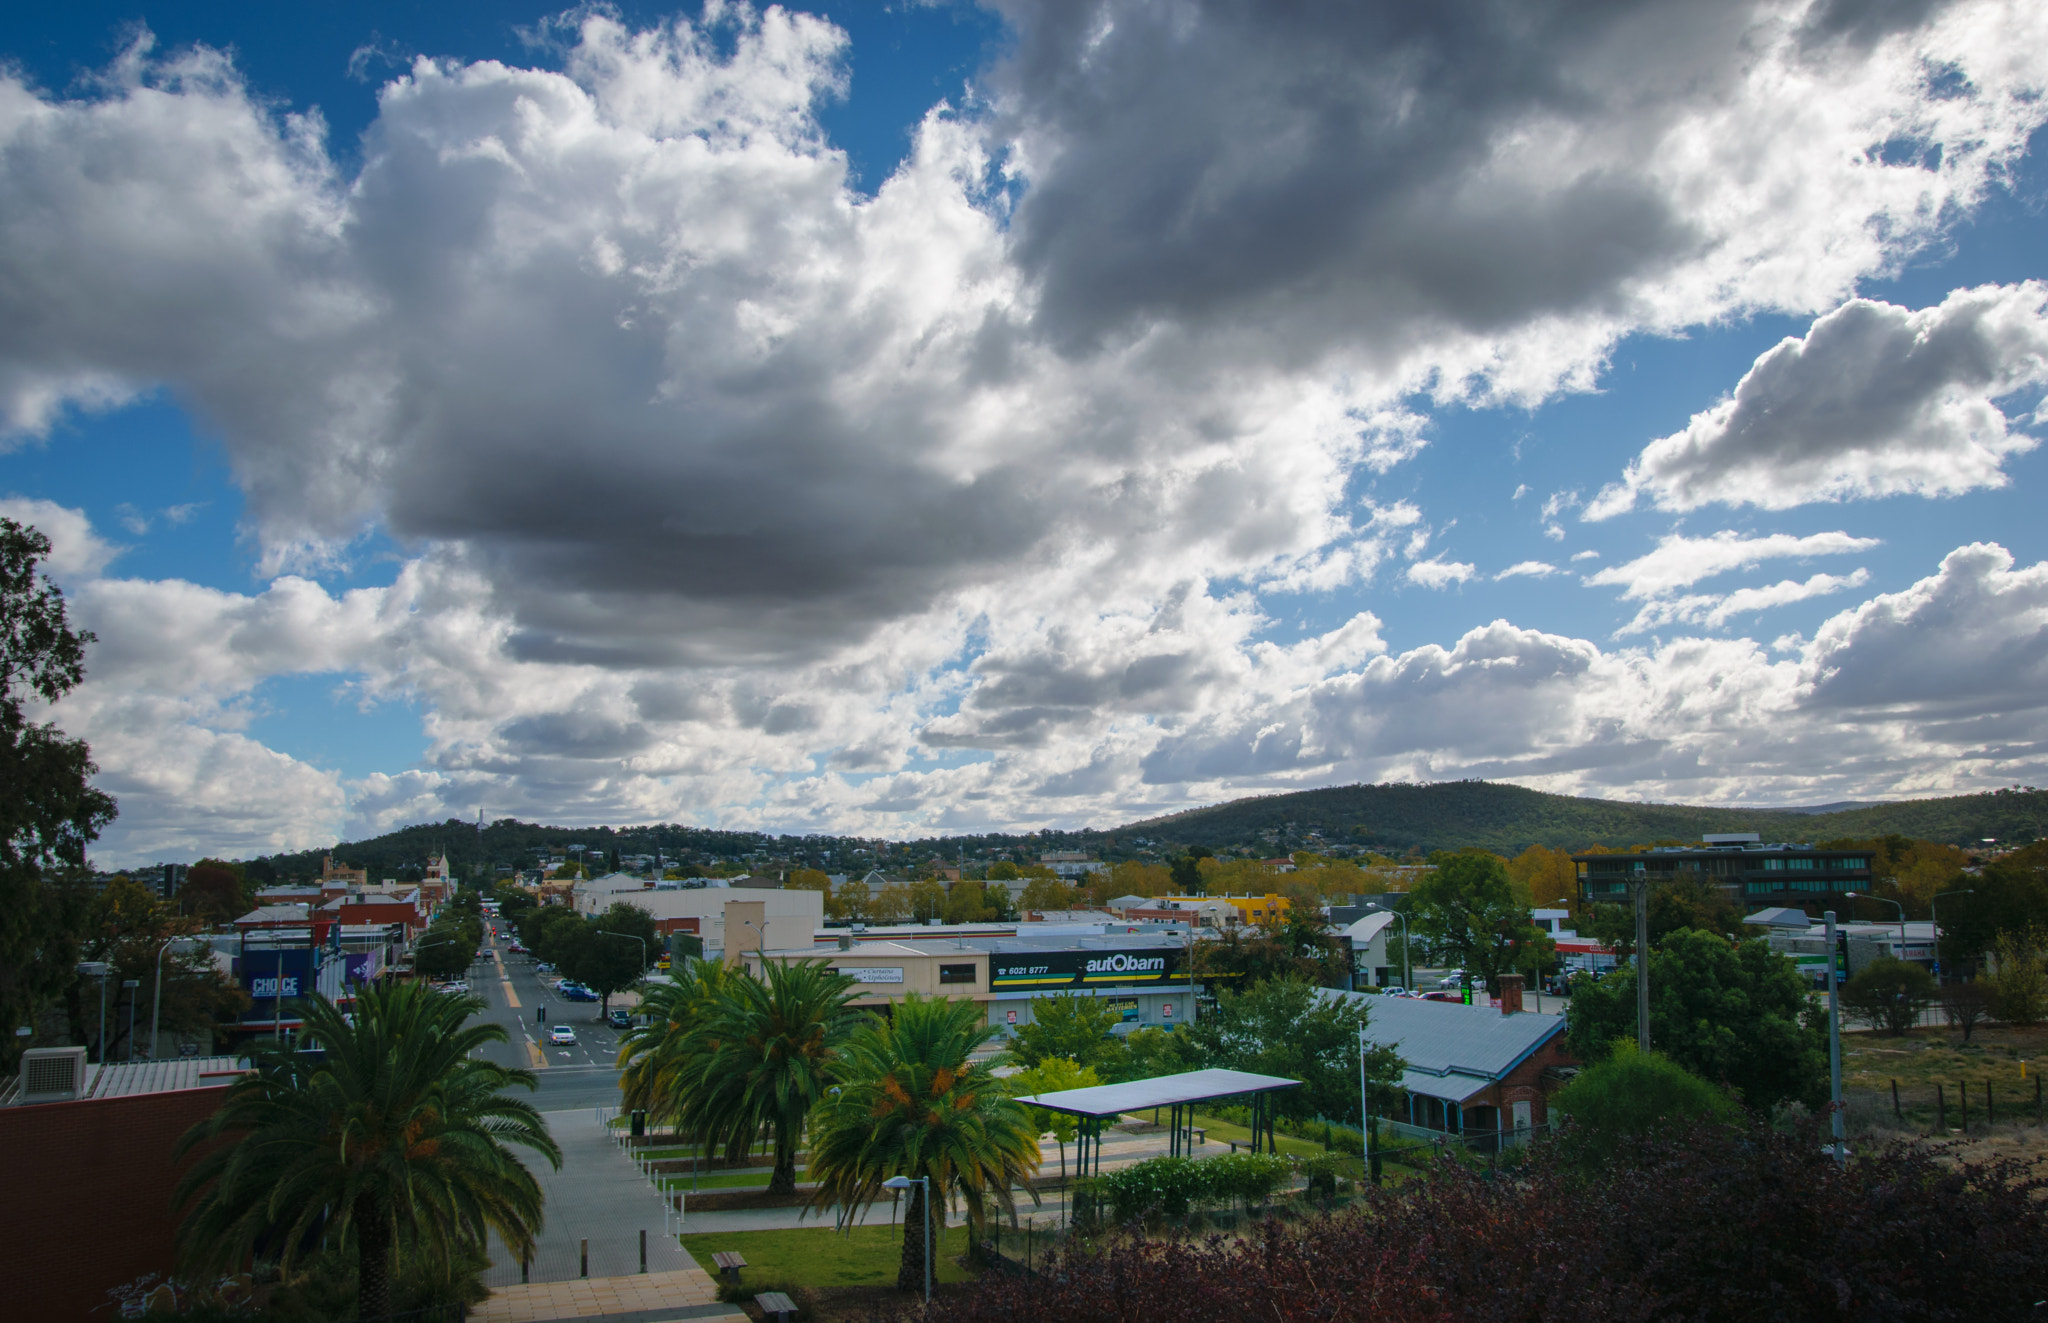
[597, 1197]
[653, 1298]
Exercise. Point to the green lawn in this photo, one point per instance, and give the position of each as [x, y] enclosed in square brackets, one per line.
[819, 1257]
[1224, 1131]
[725, 1180]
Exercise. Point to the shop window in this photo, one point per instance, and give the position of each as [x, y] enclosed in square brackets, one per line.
[956, 973]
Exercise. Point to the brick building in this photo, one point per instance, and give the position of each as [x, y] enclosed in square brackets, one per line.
[90, 1180]
[1476, 1073]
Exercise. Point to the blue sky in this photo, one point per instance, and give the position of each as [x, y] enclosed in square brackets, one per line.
[677, 419]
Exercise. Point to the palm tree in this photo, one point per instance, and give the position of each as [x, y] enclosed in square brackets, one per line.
[913, 1104]
[654, 1057]
[769, 1049]
[397, 1138]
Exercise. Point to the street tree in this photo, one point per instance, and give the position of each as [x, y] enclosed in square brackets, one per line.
[1283, 1027]
[1067, 1026]
[1889, 994]
[49, 810]
[604, 957]
[1466, 909]
[1053, 1075]
[927, 900]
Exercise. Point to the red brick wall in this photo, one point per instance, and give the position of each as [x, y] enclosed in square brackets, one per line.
[88, 1199]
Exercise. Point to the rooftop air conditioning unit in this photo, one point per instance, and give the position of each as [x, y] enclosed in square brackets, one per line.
[53, 1074]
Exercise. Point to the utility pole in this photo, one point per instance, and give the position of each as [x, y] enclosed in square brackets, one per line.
[1641, 892]
[1835, 1046]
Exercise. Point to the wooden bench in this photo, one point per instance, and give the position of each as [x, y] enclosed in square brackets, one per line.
[729, 1262]
[776, 1305]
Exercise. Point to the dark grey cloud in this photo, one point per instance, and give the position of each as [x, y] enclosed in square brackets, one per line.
[1333, 174]
[574, 734]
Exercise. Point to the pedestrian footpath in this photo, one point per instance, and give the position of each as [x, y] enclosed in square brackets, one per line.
[597, 1209]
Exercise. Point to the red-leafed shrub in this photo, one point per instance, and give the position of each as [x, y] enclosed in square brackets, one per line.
[1714, 1223]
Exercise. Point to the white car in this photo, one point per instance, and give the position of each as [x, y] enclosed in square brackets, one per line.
[561, 1035]
[457, 986]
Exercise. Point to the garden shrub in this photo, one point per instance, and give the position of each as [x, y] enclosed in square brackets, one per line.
[1712, 1222]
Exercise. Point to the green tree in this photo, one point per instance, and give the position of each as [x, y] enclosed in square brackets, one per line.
[1635, 1093]
[659, 1059]
[214, 892]
[1737, 1014]
[49, 811]
[604, 958]
[2019, 985]
[769, 1047]
[1466, 908]
[927, 900]
[914, 1103]
[1069, 1026]
[1889, 994]
[1048, 893]
[449, 946]
[1002, 870]
[397, 1137]
[1151, 1052]
[1053, 1075]
[1187, 871]
[1284, 1027]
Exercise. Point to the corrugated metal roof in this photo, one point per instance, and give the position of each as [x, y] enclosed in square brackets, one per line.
[127, 1079]
[1450, 1088]
[1443, 1038]
[1163, 1091]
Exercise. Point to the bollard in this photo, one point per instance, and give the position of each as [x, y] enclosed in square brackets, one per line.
[1895, 1101]
[1990, 1110]
[583, 1251]
[643, 1249]
[1940, 1111]
[1963, 1100]
[523, 1261]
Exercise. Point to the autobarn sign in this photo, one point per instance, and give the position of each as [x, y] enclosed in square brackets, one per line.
[1073, 969]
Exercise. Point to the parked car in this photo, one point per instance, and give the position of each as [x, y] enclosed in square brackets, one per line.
[620, 1019]
[573, 993]
[517, 949]
[455, 986]
[561, 1036]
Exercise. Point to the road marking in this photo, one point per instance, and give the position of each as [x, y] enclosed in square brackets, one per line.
[511, 997]
[540, 1059]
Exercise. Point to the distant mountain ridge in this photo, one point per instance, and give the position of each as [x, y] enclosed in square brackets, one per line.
[1391, 819]
[1509, 818]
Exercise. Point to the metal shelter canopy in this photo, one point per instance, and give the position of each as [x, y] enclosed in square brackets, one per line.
[1093, 1106]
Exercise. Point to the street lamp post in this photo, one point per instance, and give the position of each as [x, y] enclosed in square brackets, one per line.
[1407, 973]
[98, 969]
[1934, 917]
[1835, 1045]
[904, 1183]
[1886, 900]
[760, 942]
[156, 1002]
[129, 985]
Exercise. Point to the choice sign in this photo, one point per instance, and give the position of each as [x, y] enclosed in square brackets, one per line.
[1071, 969]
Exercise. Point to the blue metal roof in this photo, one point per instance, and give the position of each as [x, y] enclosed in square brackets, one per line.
[1452, 1051]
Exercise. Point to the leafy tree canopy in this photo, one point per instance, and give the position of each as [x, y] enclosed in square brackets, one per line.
[1066, 1027]
[1282, 1027]
[1736, 1014]
[1466, 910]
[1634, 1093]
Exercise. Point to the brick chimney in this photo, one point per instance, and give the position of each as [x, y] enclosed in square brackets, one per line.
[1510, 993]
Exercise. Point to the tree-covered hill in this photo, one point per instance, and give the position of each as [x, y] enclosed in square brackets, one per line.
[1508, 818]
[1386, 819]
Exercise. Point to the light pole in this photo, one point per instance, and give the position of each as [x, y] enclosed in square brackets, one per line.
[1934, 917]
[904, 1183]
[98, 969]
[1865, 895]
[1834, 1045]
[156, 1003]
[1407, 974]
[129, 985]
[760, 943]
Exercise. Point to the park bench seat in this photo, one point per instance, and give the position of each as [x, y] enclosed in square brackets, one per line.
[729, 1262]
[776, 1305]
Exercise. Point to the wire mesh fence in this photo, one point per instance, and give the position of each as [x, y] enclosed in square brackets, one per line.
[1962, 1106]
